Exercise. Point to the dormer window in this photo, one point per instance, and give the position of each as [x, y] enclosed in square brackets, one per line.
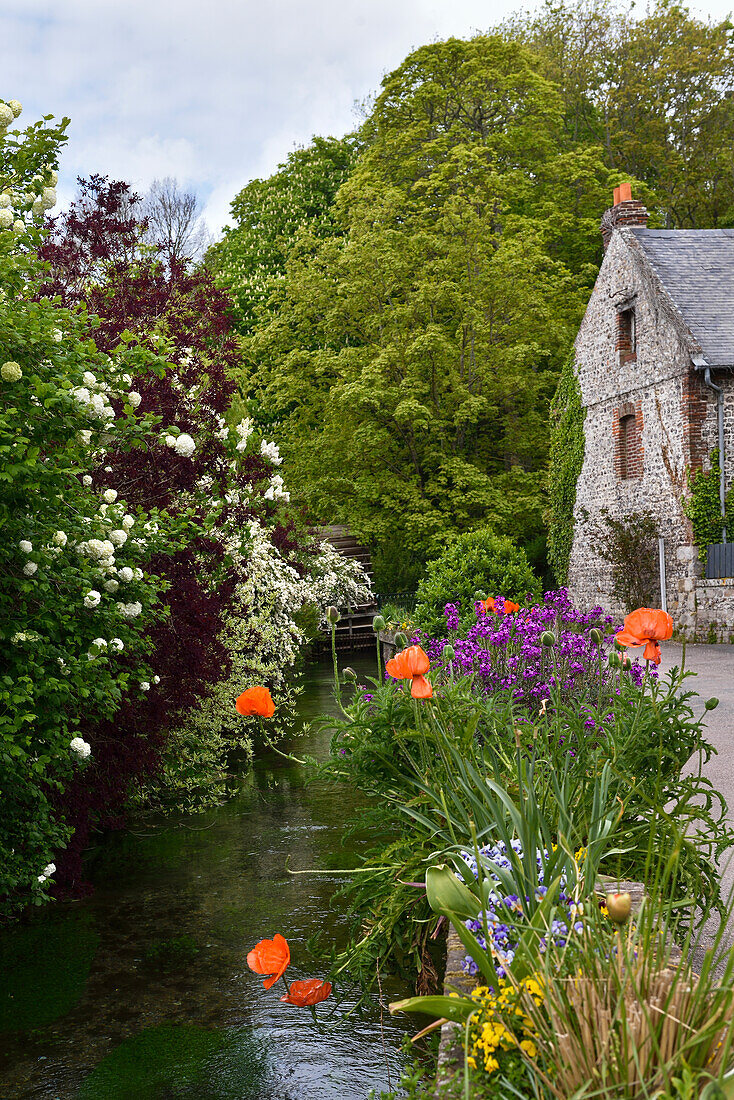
[626, 336]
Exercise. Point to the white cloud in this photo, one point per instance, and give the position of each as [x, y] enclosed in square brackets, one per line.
[212, 93]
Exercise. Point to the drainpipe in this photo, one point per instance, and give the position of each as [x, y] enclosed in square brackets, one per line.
[722, 457]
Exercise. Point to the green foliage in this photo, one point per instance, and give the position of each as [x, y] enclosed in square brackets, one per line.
[703, 505]
[270, 215]
[431, 772]
[630, 545]
[478, 561]
[55, 957]
[565, 461]
[409, 362]
[654, 91]
[61, 629]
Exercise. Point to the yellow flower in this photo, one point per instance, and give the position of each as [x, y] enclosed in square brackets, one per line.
[528, 1046]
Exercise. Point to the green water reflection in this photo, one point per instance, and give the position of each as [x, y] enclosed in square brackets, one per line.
[143, 990]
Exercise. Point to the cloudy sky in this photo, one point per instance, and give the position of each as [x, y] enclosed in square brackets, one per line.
[214, 92]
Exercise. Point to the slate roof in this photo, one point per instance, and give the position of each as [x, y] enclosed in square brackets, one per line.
[696, 267]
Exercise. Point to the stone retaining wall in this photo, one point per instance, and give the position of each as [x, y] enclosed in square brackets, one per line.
[702, 610]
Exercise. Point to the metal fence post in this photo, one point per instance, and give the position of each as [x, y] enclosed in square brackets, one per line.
[663, 585]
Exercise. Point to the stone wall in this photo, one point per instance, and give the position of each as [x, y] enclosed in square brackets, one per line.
[702, 610]
[657, 406]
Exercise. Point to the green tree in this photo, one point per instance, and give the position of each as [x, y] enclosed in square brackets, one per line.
[655, 93]
[269, 213]
[411, 359]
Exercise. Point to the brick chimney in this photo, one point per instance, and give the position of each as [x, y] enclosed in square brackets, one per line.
[625, 211]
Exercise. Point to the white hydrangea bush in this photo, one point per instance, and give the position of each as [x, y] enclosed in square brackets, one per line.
[65, 539]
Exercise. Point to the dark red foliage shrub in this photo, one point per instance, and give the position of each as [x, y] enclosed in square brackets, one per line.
[95, 260]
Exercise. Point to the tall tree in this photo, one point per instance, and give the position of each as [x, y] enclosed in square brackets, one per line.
[250, 259]
[656, 93]
[411, 358]
[174, 221]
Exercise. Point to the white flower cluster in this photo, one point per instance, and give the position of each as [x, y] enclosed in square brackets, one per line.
[270, 451]
[184, 445]
[130, 611]
[48, 870]
[8, 113]
[10, 371]
[97, 404]
[337, 580]
[80, 748]
[275, 490]
[244, 430]
[92, 599]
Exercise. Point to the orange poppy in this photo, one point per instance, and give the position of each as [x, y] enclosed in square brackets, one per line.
[421, 688]
[256, 700]
[510, 607]
[270, 957]
[307, 993]
[646, 626]
[488, 605]
[410, 662]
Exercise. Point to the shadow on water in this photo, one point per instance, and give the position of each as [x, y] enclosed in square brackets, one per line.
[142, 992]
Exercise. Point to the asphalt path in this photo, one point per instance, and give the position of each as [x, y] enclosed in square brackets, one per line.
[713, 666]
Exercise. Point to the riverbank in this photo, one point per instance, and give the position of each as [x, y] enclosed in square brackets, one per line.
[142, 990]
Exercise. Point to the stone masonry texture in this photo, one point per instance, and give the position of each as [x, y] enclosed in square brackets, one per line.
[649, 417]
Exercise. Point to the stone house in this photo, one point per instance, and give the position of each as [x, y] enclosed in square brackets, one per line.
[654, 358]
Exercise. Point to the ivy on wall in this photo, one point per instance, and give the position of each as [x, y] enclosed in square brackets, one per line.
[703, 507]
[566, 459]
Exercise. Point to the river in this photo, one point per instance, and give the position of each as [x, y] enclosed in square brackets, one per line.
[142, 991]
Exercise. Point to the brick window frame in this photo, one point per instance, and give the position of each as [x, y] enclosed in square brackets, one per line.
[626, 335]
[628, 448]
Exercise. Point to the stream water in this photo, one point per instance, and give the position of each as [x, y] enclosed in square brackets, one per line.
[142, 990]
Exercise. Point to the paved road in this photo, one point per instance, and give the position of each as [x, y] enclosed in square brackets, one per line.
[714, 668]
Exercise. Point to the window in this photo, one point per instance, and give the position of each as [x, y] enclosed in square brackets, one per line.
[627, 445]
[626, 336]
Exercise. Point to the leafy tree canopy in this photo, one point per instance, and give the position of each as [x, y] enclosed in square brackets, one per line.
[250, 259]
[412, 357]
[654, 92]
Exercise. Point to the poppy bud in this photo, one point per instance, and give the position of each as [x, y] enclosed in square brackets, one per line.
[448, 653]
[400, 640]
[712, 703]
[349, 675]
[614, 660]
[332, 614]
[446, 891]
[378, 624]
[619, 907]
[480, 595]
[548, 639]
[595, 636]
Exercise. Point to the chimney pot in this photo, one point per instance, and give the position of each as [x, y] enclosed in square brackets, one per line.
[625, 212]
